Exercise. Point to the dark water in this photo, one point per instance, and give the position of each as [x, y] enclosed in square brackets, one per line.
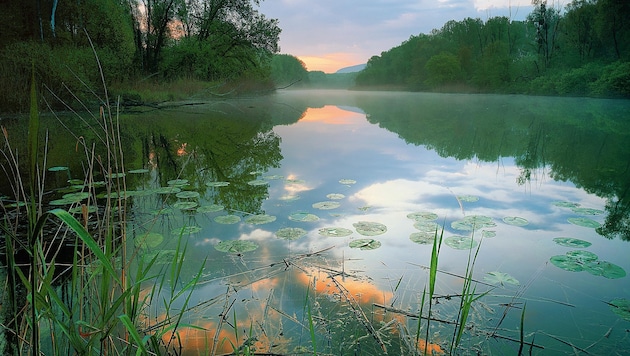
[536, 169]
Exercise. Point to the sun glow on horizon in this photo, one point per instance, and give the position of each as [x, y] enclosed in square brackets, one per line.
[330, 62]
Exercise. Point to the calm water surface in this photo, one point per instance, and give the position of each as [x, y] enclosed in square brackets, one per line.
[521, 163]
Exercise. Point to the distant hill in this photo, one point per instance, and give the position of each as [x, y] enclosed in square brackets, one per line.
[351, 69]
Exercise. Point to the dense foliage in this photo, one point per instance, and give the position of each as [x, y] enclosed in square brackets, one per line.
[134, 39]
[583, 49]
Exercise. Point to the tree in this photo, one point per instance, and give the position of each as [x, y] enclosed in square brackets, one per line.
[287, 70]
[443, 69]
[546, 21]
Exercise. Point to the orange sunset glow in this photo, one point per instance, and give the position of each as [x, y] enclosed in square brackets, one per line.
[330, 115]
[330, 62]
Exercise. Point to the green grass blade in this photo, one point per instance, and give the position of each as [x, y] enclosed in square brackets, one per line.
[83, 235]
[131, 329]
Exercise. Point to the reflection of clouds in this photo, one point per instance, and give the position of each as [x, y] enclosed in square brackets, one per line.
[257, 235]
[399, 193]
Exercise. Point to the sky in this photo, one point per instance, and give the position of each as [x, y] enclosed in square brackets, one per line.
[328, 35]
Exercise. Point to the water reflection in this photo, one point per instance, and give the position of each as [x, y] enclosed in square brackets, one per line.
[383, 156]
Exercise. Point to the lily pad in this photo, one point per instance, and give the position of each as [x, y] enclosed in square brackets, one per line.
[473, 222]
[260, 219]
[565, 204]
[164, 257]
[290, 233]
[139, 171]
[58, 169]
[258, 182]
[212, 208]
[177, 182]
[488, 234]
[149, 240]
[566, 263]
[227, 219]
[273, 177]
[368, 228]
[168, 190]
[423, 237]
[162, 211]
[236, 246]
[115, 175]
[461, 242]
[365, 244]
[303, 216]
[76, 197]
[500, 278]
[422, 215]
[326, 205]
[335, 196]
[186, 230]
[621, 307]
[605, 269]
[468, 198]
[582, 255]
[586, 222]
[335, 232]
[217, 184]
[347, 181]
[290, 197]
[185, 205]
[571, 242]
[187, 194]
[426, 226]
[587, 211]
[515, 220]
[79, 209]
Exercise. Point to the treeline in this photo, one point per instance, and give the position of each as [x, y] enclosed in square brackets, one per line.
[583, 49]
[134, 39]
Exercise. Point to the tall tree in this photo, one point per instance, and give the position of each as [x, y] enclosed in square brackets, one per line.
[546, 21]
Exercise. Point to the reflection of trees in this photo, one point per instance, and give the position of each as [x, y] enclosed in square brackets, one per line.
[582, 141]
[229, 145]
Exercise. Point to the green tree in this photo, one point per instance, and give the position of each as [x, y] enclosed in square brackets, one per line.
[287, 70]
[443, 68]
[545, 20]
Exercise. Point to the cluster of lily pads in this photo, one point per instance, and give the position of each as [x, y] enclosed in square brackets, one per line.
[577, 209]
[582, 260]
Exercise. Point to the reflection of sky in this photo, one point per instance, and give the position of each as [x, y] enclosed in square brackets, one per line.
[394, 179]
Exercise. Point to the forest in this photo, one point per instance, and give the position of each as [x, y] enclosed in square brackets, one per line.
[161, 47]
[582, 50]
[150, 41]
